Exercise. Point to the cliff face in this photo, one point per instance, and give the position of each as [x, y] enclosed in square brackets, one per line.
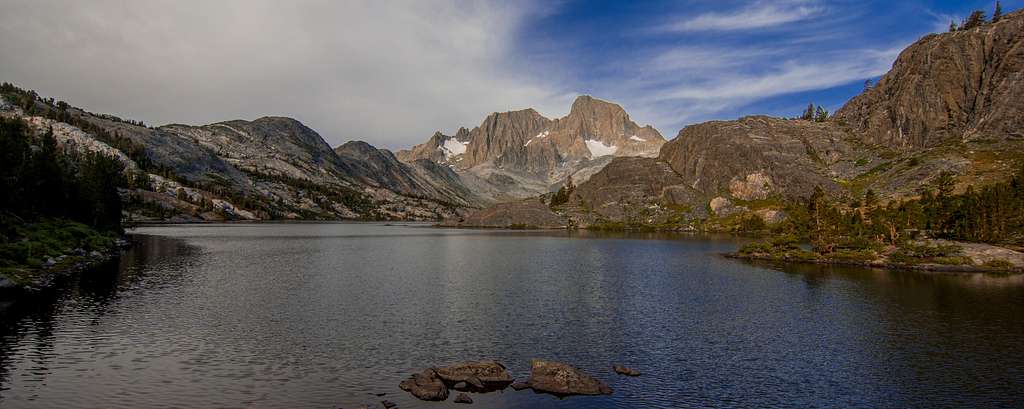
[947, 87]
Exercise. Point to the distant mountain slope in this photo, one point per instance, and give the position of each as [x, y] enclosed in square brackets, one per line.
[420, 178]
[269, 168]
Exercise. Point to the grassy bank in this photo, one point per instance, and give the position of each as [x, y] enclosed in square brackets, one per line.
[32, 251]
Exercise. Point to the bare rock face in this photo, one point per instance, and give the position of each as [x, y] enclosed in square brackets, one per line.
[527, 213]
[425, 385]
[951, 86]
[564, 380]
[755, 186]
[480, 375]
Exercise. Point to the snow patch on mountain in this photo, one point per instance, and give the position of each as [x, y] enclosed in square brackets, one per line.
[637, 138]
[597, 148]
[453, 147]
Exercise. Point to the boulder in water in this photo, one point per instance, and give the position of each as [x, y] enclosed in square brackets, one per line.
[478, 375]
[463, 398]
[622, 370]
[425, 385]
[561, 379]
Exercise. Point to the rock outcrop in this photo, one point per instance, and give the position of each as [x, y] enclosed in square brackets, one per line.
[479, 376]
[758, 156]
[425, 385]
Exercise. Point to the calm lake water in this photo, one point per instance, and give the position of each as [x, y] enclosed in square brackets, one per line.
[329, 315]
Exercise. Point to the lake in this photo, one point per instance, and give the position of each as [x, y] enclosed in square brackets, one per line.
[330, 315]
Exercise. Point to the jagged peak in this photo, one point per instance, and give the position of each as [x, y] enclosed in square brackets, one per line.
[586, 104]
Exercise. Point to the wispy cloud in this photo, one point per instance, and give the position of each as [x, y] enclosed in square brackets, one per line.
[785, 78]
[758, 15]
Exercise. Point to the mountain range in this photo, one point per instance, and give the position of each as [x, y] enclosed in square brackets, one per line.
[952, 102]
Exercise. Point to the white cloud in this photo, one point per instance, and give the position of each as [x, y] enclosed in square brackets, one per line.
[387, 72]
[758, 15]
[689, 84]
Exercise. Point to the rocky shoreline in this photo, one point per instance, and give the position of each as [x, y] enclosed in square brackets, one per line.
[929, 267]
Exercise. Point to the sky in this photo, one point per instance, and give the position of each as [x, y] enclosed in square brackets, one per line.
[393, 72]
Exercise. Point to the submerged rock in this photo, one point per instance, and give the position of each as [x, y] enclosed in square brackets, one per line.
[479, 375]
[425, 385]
[520, 386]
[463, 398]
[622, 370]
[562, 379]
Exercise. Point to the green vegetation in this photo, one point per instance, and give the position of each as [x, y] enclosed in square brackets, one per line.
[563, 194]
[54, 201]
[998, 264]
[977, 19]
[865, 229]
[815, 113]
[913, 253]
[47, 238]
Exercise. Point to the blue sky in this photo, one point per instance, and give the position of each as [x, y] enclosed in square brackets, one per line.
[391, 72]
[673, 63]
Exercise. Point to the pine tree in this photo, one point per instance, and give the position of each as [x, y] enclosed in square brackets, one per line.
[976, 19]
[808, 113]
[952, 26]
[998, 13]
[821, 114]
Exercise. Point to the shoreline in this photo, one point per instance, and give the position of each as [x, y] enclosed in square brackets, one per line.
[46, 277]
[927, 267]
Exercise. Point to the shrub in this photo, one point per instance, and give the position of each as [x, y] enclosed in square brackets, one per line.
[999, 264]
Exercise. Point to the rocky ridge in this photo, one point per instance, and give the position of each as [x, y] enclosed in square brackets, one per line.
[269, 168]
